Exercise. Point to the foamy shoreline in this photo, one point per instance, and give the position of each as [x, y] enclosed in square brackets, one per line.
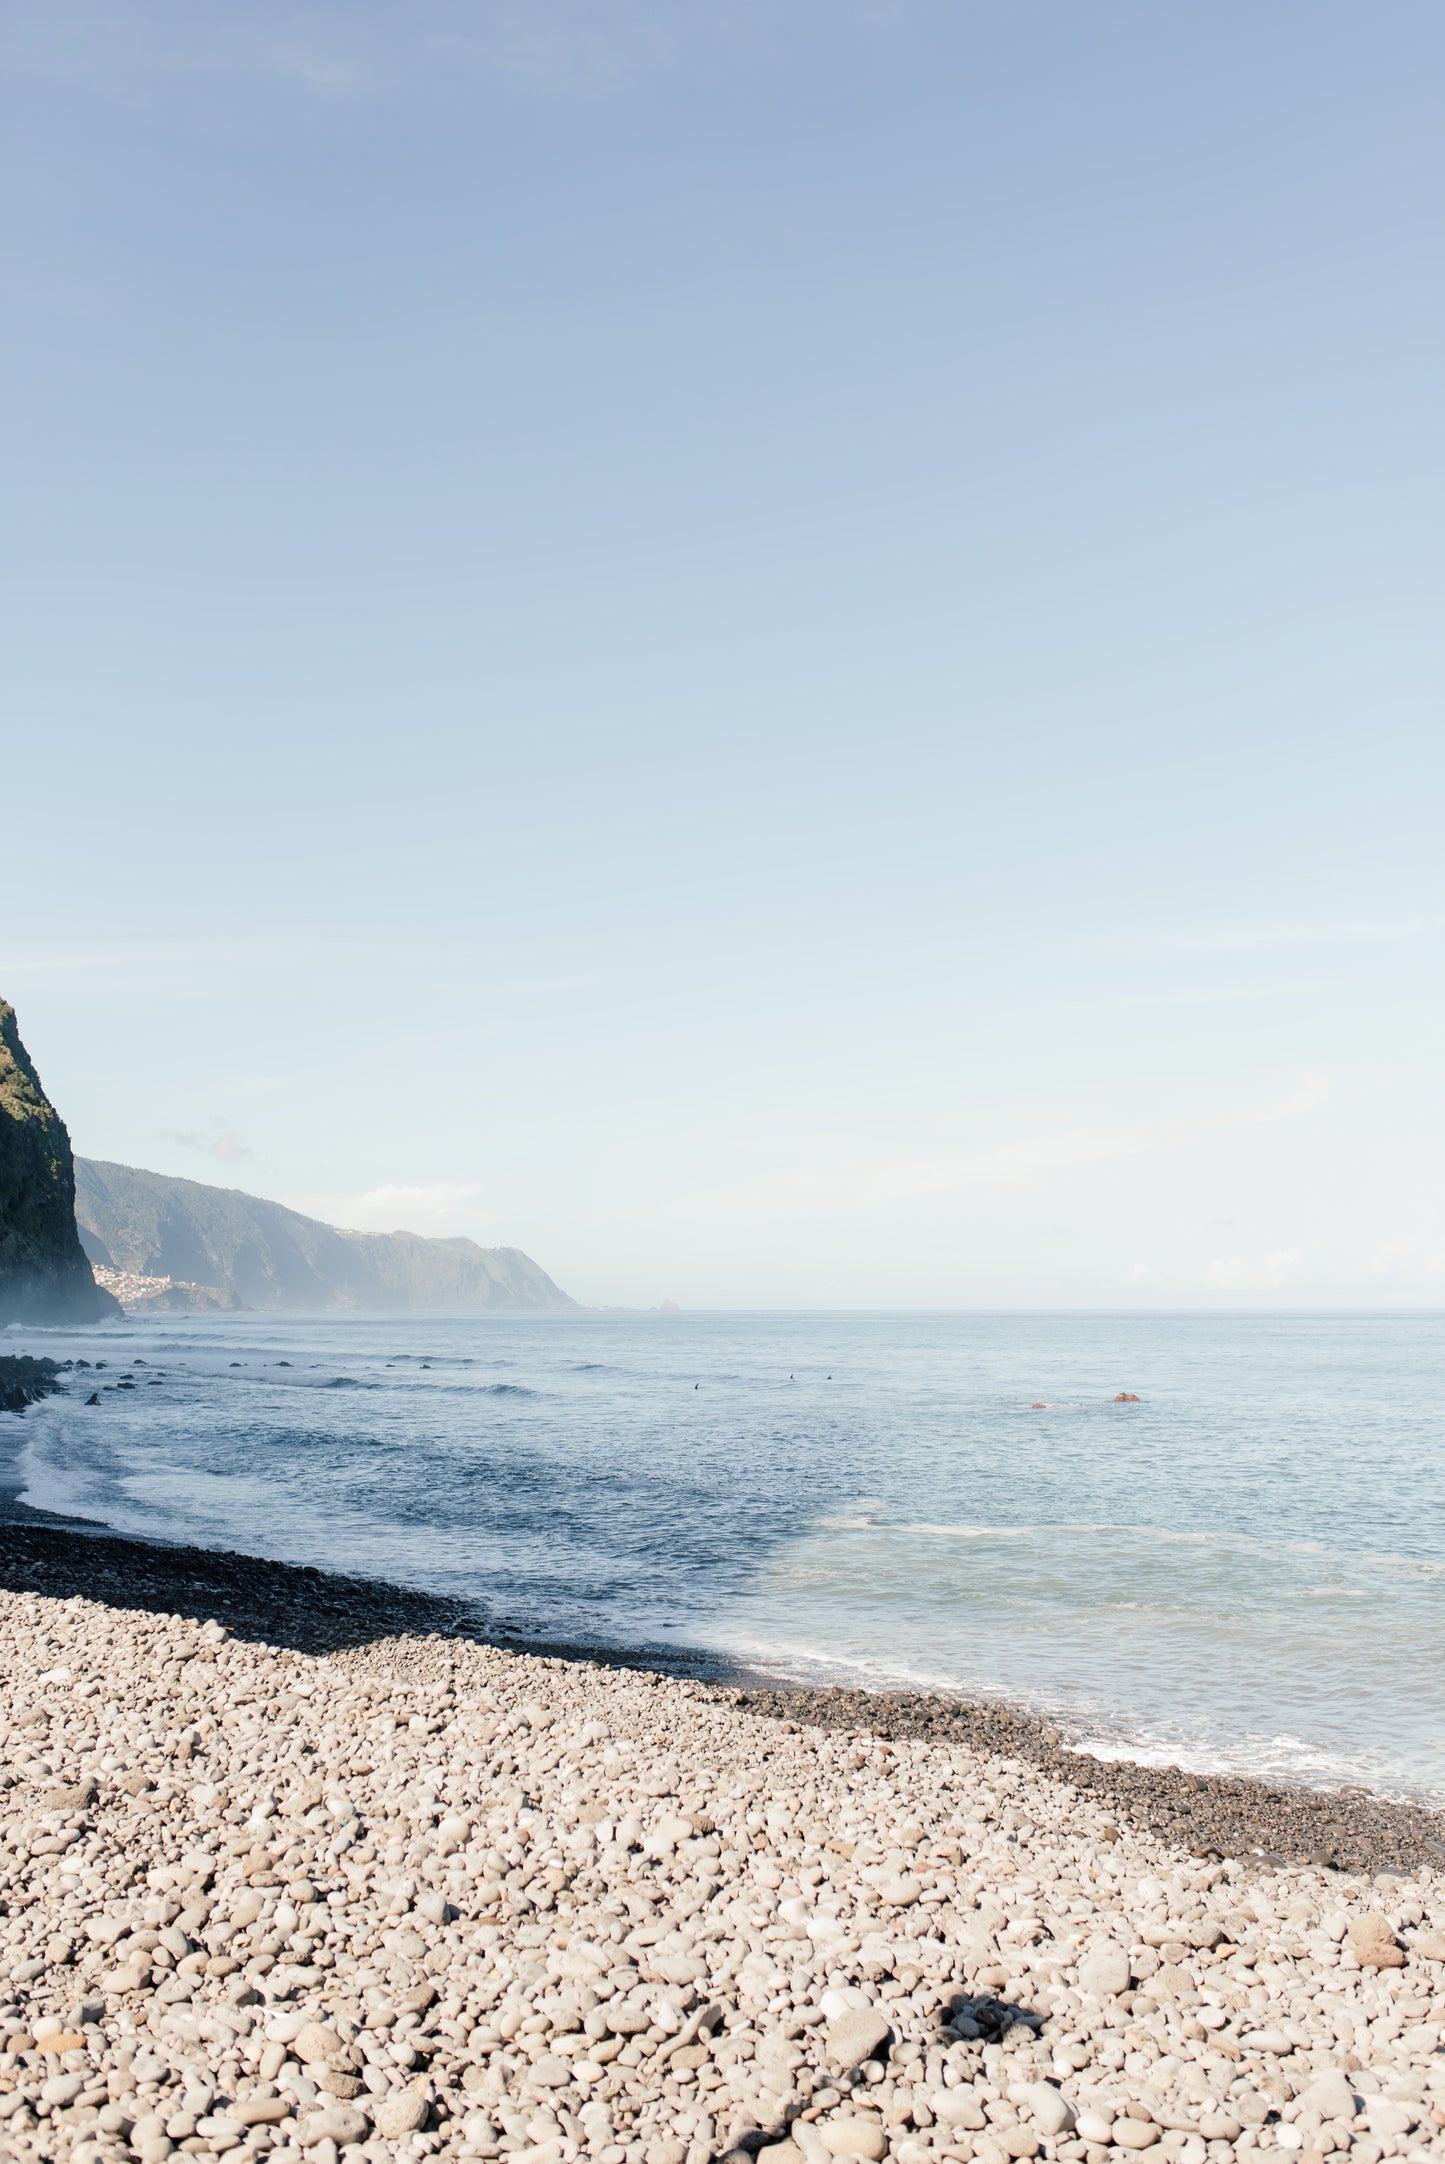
[1212, 1815]
[418, 1895]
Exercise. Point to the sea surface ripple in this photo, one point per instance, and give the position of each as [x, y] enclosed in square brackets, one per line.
[1244, 1570]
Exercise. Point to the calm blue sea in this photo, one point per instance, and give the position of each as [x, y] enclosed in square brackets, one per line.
[1246, 1569]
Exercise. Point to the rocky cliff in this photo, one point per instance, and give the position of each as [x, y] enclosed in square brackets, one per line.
[270, 1257]
[44, 1275]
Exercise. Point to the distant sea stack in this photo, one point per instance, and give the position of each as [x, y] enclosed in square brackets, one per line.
[259, 1254]
[44, 1274]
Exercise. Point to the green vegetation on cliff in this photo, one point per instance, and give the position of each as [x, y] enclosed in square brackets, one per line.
[44, 1276]
[271, 1257]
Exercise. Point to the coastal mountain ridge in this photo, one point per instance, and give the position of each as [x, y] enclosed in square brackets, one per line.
[44, 1275]
[263, 1255]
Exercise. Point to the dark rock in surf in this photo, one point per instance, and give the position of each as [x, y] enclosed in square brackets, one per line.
[24, 1382]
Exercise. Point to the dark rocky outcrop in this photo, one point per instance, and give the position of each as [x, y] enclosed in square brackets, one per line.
[25, 1382]
[269, 1257]
[44, 1275]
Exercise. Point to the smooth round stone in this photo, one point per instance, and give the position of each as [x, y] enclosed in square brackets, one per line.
[1106, 1973]
[900, 1893]
[339, 2123]
[1219, 2126]
[61, 2089]
[958, 2107]
[1329, 2097]
[853, 2137]
[843, 1999]
[550, 2072]
[1273, 2040]
[402, 2112]
[314, 2043]
[856, 2035]
[1050, 2111]
[1134, 2133]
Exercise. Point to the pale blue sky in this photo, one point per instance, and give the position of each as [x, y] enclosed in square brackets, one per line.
[787, 653]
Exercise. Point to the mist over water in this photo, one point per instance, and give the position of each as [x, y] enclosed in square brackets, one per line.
[1246, 1569]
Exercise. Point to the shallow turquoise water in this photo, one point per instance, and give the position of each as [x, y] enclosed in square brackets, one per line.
[1247, 1568]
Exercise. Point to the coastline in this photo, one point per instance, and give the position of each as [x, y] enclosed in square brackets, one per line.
[1212, 1817]
[295, 1872]
[1287, 1643]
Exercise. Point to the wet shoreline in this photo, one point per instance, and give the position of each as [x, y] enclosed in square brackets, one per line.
[315, 1612]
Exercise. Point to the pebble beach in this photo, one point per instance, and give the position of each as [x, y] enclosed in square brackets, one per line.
[290, 1869]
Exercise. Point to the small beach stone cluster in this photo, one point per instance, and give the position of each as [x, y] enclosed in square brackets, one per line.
[424, 1897]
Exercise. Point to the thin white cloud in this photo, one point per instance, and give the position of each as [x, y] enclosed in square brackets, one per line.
[577, 43]
[1402, 1259]
[369, 49]
[221, 1141]
[440, 1209]
[70, 40]
[1027, 1161]
[172, 959]
[1206, 940]
[100, 961]
[1238, 1273]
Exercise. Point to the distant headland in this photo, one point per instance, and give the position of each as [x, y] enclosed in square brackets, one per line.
[164, 1243]
[217, 1247]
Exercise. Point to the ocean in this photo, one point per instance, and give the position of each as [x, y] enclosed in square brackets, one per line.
[1244, 1570]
